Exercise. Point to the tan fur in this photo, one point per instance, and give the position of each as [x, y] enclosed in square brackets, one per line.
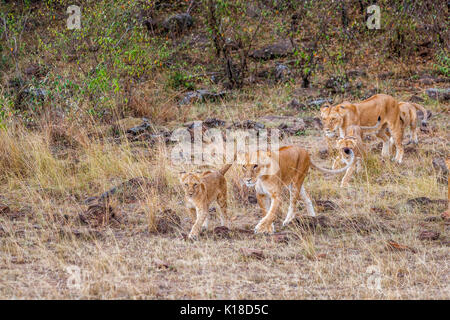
[408, 114]
[200, 191]
[270, 172]
[352, 140]
[366, 113]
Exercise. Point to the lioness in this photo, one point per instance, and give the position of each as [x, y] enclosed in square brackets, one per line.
[408, 115]
[200, 191]
[365, 113]
[269, 172]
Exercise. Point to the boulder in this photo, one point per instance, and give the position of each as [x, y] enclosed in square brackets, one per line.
[272, 51]
[438, 94]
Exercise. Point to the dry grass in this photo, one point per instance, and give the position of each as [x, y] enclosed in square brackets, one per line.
[45, 180]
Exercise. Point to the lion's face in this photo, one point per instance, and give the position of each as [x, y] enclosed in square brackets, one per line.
[332, 122]
[191, 184]
[258, 164]
[250, 173]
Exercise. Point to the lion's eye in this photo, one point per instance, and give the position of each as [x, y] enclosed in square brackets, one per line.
[255, 166]
[195, 185]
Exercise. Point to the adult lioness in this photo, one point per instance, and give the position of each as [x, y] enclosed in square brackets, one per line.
[366, 113]
[269, 172]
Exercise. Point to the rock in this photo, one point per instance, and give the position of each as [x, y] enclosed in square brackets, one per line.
[427, 203]
[356, 73]
[420, 201]
[311, 223]
[252, 11]
[295, 127]
[429, 235]
[167, 221]
[337, 84]
[252, 253]
[416, 99]
[202, 95]
[440, 166]
[38, 93]
[426, 81]
[276, 50]
[385, 75]
[438, 94]
[222, 232]
[213, 123]
[318, 103]
[139, 129]
[248, 124]
[98, 215]
[326, 205]
[280, 237]
[34, 70]
[313, 122]
[282, 72]
[295, 104]
[178, 23]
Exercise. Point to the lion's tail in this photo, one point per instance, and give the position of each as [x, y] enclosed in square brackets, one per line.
[372, 128]
[426, 114]
[325, 170]
[225, 169]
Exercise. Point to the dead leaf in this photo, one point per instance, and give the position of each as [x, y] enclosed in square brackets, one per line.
[429, 235]
[392, 245]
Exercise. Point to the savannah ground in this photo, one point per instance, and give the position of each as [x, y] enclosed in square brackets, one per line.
[68, 98]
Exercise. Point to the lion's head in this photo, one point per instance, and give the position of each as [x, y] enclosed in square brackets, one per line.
[192, 184]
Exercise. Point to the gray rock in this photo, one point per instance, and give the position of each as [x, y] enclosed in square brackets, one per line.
[282, 72]
[178, 22]
[203, 95]
[318, 103]
[295, 104]
[356, 73]
[438, 94]
[416, 99]
[439, 166]
[36, 93]
[276, 50]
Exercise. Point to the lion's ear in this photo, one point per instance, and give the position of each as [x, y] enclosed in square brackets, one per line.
[325, 106]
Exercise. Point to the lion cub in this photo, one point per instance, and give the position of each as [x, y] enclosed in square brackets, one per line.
[352, 140]
[202, 189]
[408, 115]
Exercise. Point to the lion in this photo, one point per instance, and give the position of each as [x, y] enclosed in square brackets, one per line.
[408, 115]
[200, 191]
[269, 172]
[353, 141]
[365, 113]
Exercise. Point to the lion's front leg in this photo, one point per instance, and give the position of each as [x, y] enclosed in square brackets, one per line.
[266, 223]
[202, 213]
[348, 175]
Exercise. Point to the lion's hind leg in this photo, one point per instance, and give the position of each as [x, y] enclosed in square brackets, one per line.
[293, 196]
[224, 214]
[309, 206]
